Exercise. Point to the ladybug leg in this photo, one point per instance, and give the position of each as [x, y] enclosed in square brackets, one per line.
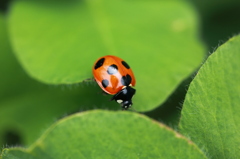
[115, 95]
[123, 109]
[132, 109]
[113, 98]
[104, 93]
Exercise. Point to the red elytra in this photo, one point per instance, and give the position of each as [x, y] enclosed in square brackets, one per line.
[115, 77]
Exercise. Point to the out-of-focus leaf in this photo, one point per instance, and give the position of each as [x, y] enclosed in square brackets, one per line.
[216, 16]
[29, 114]
[27, 106]
[12, 78]
[58, 42]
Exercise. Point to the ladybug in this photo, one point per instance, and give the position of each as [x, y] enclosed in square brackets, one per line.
[115, 77]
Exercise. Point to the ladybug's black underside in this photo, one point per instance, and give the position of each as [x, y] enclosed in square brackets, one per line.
[124, 97]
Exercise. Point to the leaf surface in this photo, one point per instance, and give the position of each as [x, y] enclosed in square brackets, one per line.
[106, 134]
[210, 115]
[58, 42]
[27, 107]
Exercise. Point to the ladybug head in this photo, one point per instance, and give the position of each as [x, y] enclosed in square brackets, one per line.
[126, 104]
[124, 97]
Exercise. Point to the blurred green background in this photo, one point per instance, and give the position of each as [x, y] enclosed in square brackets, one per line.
[217, 21]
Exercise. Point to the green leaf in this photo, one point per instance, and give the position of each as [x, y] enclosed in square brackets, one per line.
[28, 107]
[13, 79]
[105, 134]
[27, 115]
[215, 18]
[13, 82]
[58, 42]
[210, 115]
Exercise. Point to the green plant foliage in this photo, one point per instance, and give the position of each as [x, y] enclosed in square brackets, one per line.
[47, 49]
[12, 76]
[105, 134]
[210, 115]
[216, 16]
[29, 114]
[58, 42]
[28, 107]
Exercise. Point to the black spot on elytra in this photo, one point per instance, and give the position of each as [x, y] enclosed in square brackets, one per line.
[125, 64]
[105, 83]
[99, 63]
[126, 80]
[112, 69]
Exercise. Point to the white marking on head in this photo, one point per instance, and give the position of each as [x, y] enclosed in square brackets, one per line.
[124, 87]
[119, 101]
[130, 85]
